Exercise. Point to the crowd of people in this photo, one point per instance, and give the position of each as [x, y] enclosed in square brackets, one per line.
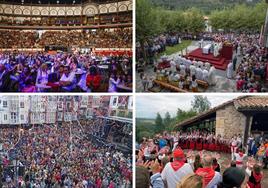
[185, 73]
[248, 65]
[63, 155]
[66, 21]
[158, 44]
[250, 71]
[117, 38]
[155, 46]
[66, 72]
[200, 159]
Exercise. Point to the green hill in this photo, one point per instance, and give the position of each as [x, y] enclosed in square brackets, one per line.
[205, 5]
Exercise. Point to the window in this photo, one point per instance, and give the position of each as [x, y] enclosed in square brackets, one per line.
[5, 117]
[4, 104]
[14, 117]
[21, 104]
[68, 106]
[129, 115]
[60, 105]
[113, 113]
[22, 117]
[114, 101]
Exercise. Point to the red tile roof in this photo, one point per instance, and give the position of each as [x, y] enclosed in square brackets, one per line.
[252, 103]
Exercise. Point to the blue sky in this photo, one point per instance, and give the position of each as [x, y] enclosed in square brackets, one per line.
[148, 106]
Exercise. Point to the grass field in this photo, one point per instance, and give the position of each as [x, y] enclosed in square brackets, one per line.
[174, 49]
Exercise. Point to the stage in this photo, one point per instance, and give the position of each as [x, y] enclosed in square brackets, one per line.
[219, 62]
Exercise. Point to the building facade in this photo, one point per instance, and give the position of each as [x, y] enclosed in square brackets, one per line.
[14, 110]
[121, 106]
[35, 109]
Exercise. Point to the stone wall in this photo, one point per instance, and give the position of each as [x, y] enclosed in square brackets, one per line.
[229, 121]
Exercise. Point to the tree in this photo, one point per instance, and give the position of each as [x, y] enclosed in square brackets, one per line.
[181, 116]
[195, 20]
[240, 17]
[147, 23]
[200, 104]
[159, 126]
[167, 119]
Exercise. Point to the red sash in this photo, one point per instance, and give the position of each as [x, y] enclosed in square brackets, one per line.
[212, 147]
[218, 147]
[207, 174]
[176, 165]
[192, 144]
[205, 146]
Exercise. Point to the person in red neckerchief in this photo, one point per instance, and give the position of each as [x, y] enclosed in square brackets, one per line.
[240, 158]
[255, 178]
[233, 146]
[176, 170]
[211, 178]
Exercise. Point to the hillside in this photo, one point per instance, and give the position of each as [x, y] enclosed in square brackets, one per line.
[205, 5]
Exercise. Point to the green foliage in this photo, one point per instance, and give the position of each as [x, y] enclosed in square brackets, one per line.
[167, 119]
[159, 125]
[239, 17]
[194, 19]
[200, 104]
[144, 128]
[205, 5]
[147, 20]
[183, 115]
[148, 129]
[191, 20]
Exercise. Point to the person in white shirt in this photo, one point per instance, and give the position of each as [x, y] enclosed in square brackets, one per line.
[230, 70]
[207, 65]
[199, 73]
[192, 70]
[200, 64]
[182, 69]
[233, 147]
[205, 75]
[113, 82]
[240, 158]
[212, 76]
[173, 66]
[176, 170]
[68, 80]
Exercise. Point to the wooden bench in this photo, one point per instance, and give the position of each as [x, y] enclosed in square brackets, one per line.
[202, 83]
[169, 86]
